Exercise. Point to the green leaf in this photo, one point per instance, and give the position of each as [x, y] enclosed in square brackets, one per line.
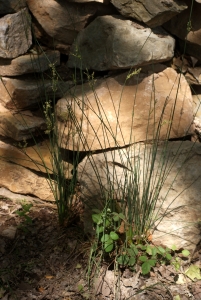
[185, 253]
[152, 262]
[99, 229]
[123, 260]
[160, 250]
[132, 261]
[177, 297]
[168, 256]
[174, 247]
[193, 272]
[154, 251]
[121, 216]
[134, 248]
[105, 238]
[131, 252]
[96, 218]
[149, 250]
[116, 218]
[108, 245]
[146, 267]
[107, 223]
[114, 236]
[143, 258]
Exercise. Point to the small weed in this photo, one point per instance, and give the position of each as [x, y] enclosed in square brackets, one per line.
[23, 214]
[118, 242]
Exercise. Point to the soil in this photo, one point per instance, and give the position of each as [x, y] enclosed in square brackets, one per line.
[41, 260]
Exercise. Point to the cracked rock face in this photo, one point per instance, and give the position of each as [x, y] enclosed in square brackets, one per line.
[153, 13]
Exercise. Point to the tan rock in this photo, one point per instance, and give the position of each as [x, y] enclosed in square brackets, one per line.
[179, 198]
[61, 20]
[20, 126]
[23, 181]
[118, 112]
[113, 42]
[11, 6]
[15, 34]
[29, 63]
[25, 92]
[37, 157]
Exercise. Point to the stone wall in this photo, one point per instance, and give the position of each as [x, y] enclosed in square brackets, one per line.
[111, 39]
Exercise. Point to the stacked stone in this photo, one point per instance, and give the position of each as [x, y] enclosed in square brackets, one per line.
[103, 36]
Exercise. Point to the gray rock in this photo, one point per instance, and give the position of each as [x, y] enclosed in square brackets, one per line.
[11, 6]
[179, 198]
[15, 34]
[153, 13]
[112, 42]
[29, 63]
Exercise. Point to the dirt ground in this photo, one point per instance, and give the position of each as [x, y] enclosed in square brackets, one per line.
[40, 260]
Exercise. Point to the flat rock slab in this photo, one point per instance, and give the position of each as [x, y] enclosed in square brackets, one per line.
[20, 126]
[29, 63]
[112, 42]
[153, 13]
[179, 198]
[11, 6]
[37, 157]
[25, 92]
[117, 111]
[21, 180]
[15, 34]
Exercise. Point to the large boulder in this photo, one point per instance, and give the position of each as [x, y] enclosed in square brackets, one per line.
[112, 42]
[153, 13]
[15, 34]
[188, 31]
[60, 21]
[23, 92]
[112, 175]
[118, 110]
[29, 63]
[11, 6]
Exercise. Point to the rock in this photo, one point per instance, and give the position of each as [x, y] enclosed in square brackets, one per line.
[153, 13]
[9, 232]
[178, 201]
[69, 19]
[37, 157]
[15, 34]
[11, 6]
[178, 27]
[23, 181]
[119, 112]
[112, 42]
[20, 126]
[29, 63]
[24, 92]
